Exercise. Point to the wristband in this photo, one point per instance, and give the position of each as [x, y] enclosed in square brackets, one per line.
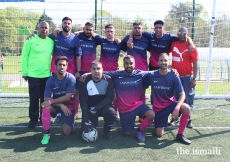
[49, 102]
[177, 108]
[130, 38]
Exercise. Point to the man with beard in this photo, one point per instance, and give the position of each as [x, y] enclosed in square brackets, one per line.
[139, 50]
[140, 47]
[67, 44]
[88, 45]
[59, 98]
[164, 84]
[129, 86]
[35, 59]
[159, 42]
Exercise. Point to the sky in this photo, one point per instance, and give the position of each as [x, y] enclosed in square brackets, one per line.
[81, 10]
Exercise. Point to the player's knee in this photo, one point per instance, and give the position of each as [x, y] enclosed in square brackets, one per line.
[127, 133]
[110, 112]
[159, 134]
[67, 132]
[185, 109]
[150, 115]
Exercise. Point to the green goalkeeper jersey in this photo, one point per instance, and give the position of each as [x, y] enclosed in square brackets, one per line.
[36, 57]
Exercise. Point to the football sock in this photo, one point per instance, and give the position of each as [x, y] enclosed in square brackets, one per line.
[115, 105]
[183, 123]
[46, 131]
[46, 119]
[146, 122]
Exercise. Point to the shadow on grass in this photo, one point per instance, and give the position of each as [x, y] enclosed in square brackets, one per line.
[23, 139]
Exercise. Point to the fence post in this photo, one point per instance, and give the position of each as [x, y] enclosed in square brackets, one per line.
[228, 70]
[1, 67]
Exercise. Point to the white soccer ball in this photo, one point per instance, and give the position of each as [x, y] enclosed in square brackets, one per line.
[90, 136]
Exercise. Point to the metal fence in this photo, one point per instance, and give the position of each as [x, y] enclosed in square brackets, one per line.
[19, 18]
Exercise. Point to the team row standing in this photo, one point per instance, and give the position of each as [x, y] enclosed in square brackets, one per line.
[87, 37]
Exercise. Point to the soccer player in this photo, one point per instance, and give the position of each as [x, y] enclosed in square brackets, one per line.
[110, 49]
[181, 57]
[110, 52]
[129, 91]
[159, 42]
[96, 96]
[163, 85]
[88, 45]
[36, 59]
[140, 46]
[67, 44]
[59, 98]
[139, 51]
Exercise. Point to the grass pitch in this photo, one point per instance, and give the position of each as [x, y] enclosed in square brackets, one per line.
[210, 140]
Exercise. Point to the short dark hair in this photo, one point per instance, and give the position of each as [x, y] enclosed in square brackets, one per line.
[128, 57]
[89, 24]
[109, 26]
[159, 22]
[137, 23]
[61, 58]
[95, 62]
[66, 18]
[163, 53]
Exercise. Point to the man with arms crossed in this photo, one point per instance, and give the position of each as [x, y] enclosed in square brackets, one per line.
[164, 84]
[35, 59]
[186, 63]
[96, 97]
[59, 98]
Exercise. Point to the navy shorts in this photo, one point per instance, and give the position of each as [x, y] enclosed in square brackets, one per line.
[128, 118]
[69, 120]
[161, 117]
[189, 92]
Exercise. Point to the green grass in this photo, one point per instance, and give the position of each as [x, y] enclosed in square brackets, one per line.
[12, 65]
[23, 144]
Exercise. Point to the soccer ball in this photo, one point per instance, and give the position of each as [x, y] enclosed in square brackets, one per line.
[90, 136]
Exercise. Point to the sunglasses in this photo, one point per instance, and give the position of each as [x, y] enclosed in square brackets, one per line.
[181, 33]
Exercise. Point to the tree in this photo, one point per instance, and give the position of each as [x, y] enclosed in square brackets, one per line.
[181, 15]
[11, 18]
[49, 20]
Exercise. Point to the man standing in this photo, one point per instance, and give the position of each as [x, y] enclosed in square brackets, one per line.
[67, 44]
[96, 96]
[35, 60]
[88, 45]
[110, 49]
[59, 98]
[164, 84]
[110, 52]
[140, 46]
[159, 42]
[186, 63]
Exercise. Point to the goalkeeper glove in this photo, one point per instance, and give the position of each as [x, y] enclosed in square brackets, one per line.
[92, 111]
